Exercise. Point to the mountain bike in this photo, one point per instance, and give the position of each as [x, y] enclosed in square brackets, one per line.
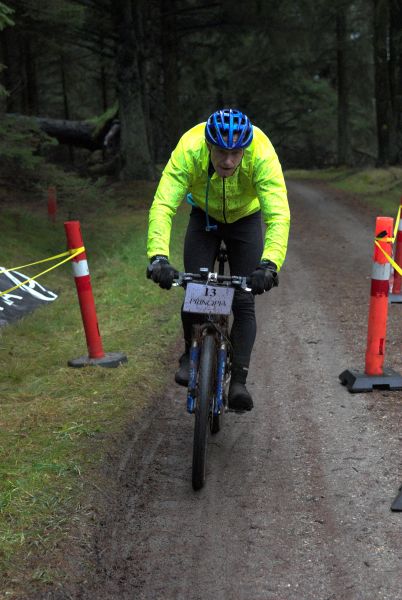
[210, 294]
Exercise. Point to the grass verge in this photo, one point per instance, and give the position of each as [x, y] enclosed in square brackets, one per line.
[57, 423]
[381, 188]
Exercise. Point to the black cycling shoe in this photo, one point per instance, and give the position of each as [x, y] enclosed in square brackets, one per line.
[239, 397]
[181, 376]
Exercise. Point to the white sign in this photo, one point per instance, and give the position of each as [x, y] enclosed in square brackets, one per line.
[16, 303]
[32, 287]
[210, 299]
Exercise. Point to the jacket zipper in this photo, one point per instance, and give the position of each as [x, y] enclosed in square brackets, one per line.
[224, 200]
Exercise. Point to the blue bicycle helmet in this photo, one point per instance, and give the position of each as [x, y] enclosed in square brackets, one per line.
[223, 125]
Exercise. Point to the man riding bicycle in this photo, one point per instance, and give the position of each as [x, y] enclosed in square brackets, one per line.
[232, 174]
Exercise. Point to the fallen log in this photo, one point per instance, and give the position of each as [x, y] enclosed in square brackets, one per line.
[73, 133]
[88, 134]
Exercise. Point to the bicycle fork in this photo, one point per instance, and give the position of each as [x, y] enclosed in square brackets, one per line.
[192, 378]
[220, 377]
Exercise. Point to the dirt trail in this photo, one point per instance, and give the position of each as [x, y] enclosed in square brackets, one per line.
[296, 504]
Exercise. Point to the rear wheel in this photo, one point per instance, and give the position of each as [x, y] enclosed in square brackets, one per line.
[204, 403]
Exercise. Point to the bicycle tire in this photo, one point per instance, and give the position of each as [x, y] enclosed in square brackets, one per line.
[206, 381]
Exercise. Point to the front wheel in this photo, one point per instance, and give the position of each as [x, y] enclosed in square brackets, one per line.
[203, 407]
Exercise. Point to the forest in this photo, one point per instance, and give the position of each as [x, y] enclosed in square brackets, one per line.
[116, 82]
[95, 494]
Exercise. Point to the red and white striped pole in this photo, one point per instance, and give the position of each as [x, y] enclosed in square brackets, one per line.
[378, 311]
[375, 375]
[396, 295]
[87, 305]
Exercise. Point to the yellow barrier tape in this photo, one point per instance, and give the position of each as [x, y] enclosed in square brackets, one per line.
[381, 237]
[384, 239]
[71, 254]
[390, 259]
[398, 218]
[38, 262]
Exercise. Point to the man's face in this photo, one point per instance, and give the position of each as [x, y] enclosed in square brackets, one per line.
[225, 162]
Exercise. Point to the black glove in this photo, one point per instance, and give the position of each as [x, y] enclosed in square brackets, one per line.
[161, 271]
[264, 277]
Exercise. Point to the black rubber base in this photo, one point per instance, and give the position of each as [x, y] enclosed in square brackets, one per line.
[396, 506]
[356, 381]
[395, 298]
[110, 360]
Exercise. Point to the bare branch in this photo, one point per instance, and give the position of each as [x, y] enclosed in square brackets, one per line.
[96, 5]
[192, 9]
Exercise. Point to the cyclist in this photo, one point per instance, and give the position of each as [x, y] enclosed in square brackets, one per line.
[232, 174]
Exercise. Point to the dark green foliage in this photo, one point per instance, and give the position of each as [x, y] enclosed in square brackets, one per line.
[278, 62]
[55, 61]
[22, 148]
[171, 63]
[5, 21]
[5, 16]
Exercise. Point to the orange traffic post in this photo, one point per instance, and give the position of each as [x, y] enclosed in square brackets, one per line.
[96, 354]
[375, 375]
[396, 295]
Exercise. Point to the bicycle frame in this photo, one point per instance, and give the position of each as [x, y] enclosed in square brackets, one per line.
[222, 329]
[216, 324]
[210, 353]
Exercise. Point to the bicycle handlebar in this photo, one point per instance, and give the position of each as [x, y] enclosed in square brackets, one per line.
[208, 277]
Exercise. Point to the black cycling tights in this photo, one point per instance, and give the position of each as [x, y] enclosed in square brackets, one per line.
[244, 245]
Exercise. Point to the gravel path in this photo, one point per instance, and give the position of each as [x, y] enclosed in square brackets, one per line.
[298, 492]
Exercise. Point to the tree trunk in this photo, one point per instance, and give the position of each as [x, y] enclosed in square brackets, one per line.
[30, 83]
[170, 71]
[395, 75]
[103, 77]
[145, 17]
[382, 83]
[342, 88]
[12, 73]
[65, 101]
[134, 143]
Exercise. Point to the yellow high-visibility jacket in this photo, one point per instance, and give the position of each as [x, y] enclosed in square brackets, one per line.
[257, 183]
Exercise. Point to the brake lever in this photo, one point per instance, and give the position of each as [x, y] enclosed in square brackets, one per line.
[244, 284]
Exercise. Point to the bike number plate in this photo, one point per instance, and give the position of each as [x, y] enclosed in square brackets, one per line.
[209, 299]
